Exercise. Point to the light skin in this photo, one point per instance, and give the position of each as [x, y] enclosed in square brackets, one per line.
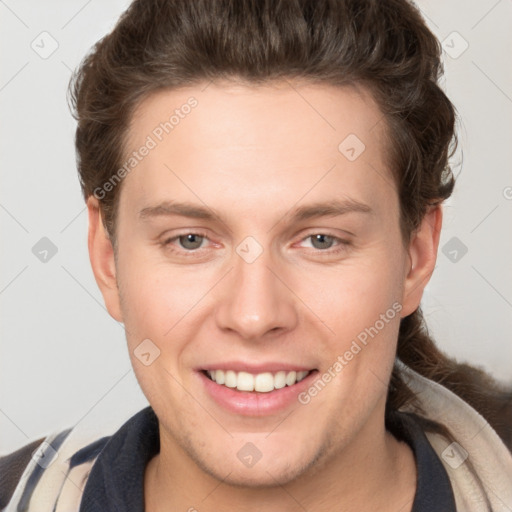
[253, 156]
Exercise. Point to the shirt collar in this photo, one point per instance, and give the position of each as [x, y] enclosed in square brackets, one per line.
[116, 481]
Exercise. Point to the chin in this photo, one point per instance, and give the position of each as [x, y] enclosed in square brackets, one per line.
[271, 470]
[262, 477]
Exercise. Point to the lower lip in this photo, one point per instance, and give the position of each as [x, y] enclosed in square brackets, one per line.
[254, 403]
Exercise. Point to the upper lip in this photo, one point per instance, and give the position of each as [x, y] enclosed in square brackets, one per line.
[270, 366]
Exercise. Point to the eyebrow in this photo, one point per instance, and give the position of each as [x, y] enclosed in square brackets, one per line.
[332, 208]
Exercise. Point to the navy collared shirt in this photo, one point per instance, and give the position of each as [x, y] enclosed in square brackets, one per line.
[116, 481]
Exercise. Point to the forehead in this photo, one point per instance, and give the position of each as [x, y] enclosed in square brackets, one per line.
[260, 113]
[284, 139]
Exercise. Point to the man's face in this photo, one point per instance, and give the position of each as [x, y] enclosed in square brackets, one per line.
[255, 288]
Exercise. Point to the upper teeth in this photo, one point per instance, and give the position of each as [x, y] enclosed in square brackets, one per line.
[261, 382]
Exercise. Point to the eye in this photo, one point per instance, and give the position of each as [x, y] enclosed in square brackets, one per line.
[187, 242]
[191, 241]
[321, 241]
[325, 243]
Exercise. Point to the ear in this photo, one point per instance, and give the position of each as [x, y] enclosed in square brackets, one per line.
[422, 254]
[101, 255]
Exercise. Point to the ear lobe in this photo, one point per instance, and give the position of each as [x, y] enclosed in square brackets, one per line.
[422, 255]
[101, 255]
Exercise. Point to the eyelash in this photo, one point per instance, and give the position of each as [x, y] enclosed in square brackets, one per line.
[342, 245]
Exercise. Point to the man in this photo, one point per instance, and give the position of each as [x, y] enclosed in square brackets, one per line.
[264, 184]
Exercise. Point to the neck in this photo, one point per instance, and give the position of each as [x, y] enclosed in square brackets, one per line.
[374, 472]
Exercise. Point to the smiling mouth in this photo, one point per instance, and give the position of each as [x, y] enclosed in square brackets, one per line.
[264, 382]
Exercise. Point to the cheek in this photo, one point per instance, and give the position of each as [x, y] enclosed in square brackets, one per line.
[360, 304]
[156, 302]
[169, 306]
[353, 296]
[154, 296]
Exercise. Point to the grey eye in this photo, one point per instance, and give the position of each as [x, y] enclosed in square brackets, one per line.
[191, 241]
[322, 241]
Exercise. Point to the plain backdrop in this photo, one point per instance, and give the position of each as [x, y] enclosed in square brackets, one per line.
[63, 359]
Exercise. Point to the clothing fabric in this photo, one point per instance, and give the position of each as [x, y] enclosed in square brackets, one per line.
[81, 471]
[116, 480]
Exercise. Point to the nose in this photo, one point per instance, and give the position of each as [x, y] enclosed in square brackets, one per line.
[255, 301]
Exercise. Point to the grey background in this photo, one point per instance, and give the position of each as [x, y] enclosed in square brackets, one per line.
[63, 359]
